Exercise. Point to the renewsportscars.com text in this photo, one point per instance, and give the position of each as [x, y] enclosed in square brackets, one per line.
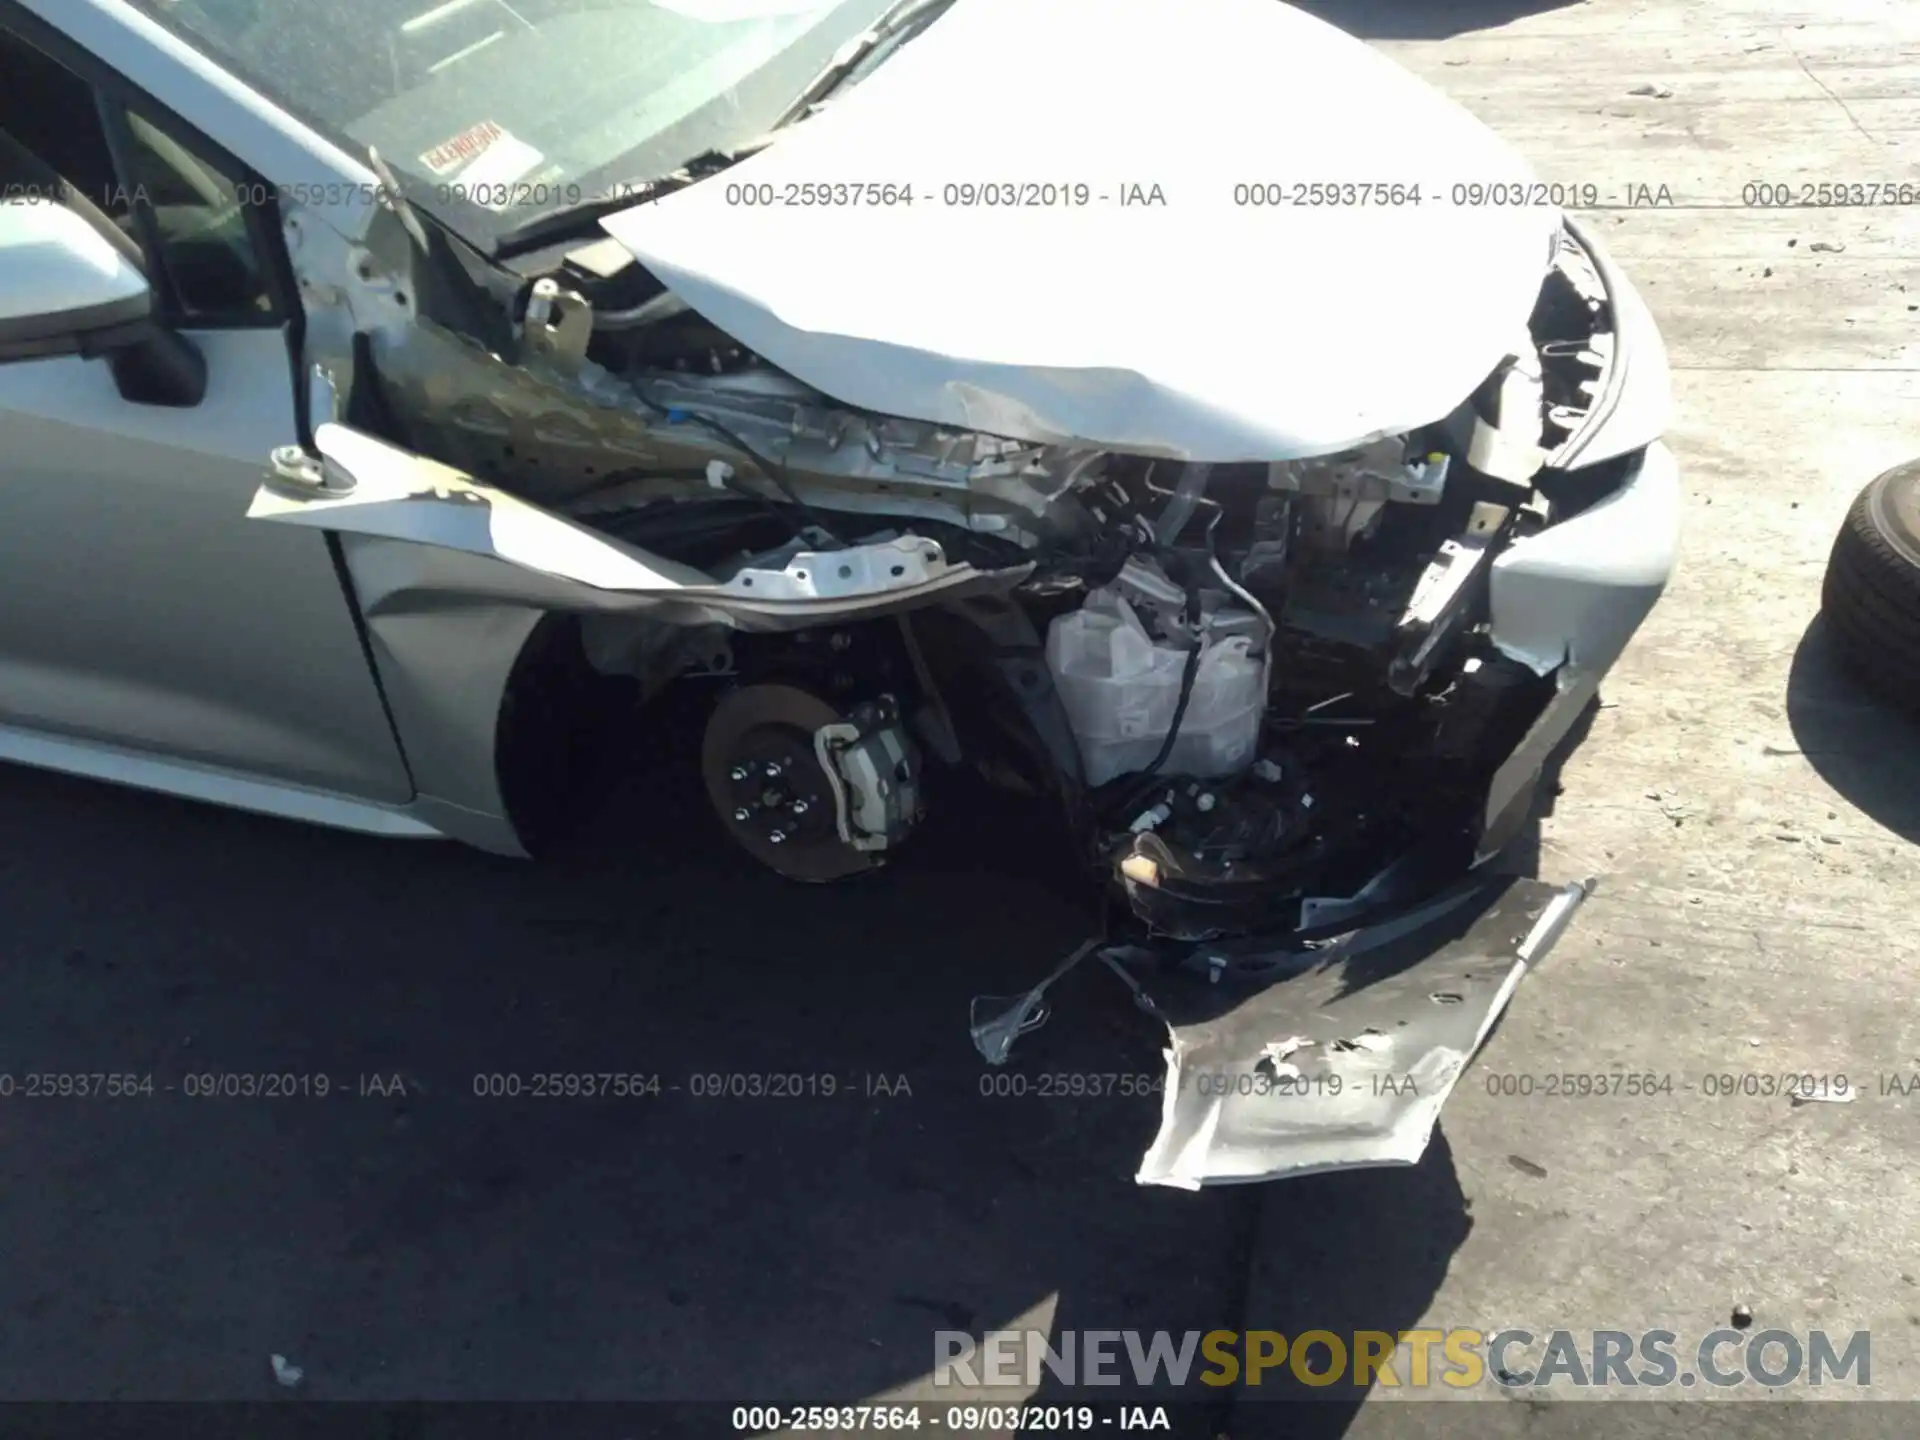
[1458, 1359]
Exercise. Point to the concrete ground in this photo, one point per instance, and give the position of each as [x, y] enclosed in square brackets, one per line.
[1752, 816]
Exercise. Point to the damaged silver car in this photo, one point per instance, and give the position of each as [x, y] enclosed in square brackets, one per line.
[1215, 434]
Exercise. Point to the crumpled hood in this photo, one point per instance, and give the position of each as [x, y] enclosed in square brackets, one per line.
[1197, 328]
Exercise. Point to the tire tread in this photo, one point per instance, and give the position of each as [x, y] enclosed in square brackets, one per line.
[1871, 595]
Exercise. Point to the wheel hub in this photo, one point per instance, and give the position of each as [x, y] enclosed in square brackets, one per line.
[764, 778]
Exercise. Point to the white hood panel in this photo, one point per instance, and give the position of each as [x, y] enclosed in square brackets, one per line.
[1194, 329]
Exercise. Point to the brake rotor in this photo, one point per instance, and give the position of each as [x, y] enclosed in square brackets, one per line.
[767, 785]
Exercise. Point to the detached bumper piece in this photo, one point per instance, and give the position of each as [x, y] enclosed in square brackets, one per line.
[1345, 1060]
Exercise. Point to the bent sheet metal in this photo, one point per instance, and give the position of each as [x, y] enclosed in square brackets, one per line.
[1345, 1062]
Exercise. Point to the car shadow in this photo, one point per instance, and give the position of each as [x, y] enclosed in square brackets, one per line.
[1364, 1250]
[804, 1173]
[1523, 855]
[1424, 19]
[1866, 749]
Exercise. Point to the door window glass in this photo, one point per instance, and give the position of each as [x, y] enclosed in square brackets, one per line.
[205, 242]
[181, 206]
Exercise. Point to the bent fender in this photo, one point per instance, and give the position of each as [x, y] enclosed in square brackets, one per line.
[364, 488]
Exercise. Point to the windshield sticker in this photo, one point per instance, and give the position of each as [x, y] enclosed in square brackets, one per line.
[489, 180]
[721, 12]
[450, 155]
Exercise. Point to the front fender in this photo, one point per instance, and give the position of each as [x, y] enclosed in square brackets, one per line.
[363, 487]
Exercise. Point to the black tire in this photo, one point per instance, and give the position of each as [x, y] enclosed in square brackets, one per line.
[1872, 591]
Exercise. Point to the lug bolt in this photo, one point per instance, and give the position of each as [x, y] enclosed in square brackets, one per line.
[777, 837]
[799, 807]
[743, 814]
[739, 772]
[773, 769]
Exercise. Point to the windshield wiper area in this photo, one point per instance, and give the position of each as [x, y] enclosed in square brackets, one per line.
[896, 25]
[567, 223]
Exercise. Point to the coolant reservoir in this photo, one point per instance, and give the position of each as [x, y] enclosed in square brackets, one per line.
[1120, 686]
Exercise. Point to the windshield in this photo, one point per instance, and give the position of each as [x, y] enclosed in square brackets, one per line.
[491, 112]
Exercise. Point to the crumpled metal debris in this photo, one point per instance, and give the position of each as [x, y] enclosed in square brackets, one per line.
[998, 1020]
[1346, 1061]
[1334, 1055]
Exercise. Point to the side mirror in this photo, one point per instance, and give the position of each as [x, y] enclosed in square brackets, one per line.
[65, 289]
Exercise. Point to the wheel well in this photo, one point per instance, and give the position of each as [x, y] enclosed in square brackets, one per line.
[557, 716]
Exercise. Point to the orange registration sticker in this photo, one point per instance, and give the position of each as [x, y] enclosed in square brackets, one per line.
[450, 155]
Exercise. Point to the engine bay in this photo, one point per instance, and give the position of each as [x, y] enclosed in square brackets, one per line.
[1257, 688]
[1272, 687]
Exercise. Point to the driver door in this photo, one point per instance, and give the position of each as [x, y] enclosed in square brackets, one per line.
[138, 608]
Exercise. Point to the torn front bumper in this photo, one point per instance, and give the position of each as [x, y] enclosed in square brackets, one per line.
[1344, 1060]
